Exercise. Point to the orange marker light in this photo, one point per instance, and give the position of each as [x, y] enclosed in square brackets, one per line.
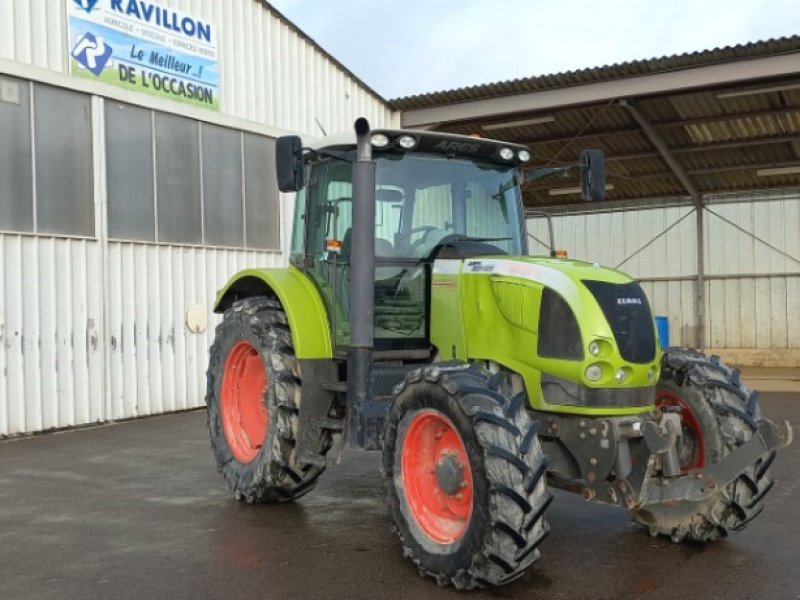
[561, 254]
[333, 246]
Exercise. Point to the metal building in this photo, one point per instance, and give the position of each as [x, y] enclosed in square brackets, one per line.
[136, 140]
[136, 143]
[703, 172]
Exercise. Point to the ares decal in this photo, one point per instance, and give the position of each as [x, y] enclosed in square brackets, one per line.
[456, 146]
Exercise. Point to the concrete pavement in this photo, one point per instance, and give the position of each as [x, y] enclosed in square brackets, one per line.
[137, 510]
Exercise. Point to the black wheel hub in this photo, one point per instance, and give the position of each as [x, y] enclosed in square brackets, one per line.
[449, 474]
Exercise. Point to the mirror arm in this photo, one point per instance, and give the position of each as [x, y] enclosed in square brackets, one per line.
[539, 172]
[346, 156]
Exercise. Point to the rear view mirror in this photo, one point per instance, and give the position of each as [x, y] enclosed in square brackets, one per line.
[593, 175]
[289, 163]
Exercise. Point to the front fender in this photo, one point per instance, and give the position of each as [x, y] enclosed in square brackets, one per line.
[301, 301]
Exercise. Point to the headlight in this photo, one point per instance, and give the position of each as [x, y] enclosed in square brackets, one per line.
[506, 153]
[600, 348]
[621, 375]
[593, 372]
[651, 374]
[524, 155]
[406, 142]
[379, 140]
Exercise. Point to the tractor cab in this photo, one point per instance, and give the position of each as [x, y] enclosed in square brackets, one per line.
[436, 196]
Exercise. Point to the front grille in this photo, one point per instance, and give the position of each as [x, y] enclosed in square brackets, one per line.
[628, 313]
[568, 393]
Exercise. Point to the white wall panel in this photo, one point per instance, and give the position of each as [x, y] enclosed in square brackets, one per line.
[616, 240]
[51, 352]
[760, 312]
[33, 32]
[776, 222]
[155, 363]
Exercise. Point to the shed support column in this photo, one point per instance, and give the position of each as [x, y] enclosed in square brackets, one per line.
[694, 193]
[700, 296]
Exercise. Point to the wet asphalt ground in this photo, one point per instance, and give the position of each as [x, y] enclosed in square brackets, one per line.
[137, 510]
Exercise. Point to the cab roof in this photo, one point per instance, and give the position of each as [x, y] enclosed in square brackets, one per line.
[427, 141]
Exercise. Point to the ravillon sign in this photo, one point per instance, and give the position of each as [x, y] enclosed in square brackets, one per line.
[145, 46]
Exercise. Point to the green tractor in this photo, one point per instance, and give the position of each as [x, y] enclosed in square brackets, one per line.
[411, 320]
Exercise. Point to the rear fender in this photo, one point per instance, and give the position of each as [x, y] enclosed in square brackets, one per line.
[300, 300]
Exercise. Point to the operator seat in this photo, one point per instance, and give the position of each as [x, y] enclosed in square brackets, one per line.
[383, 249]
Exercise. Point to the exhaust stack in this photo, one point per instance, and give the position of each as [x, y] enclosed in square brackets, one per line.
[362, 281]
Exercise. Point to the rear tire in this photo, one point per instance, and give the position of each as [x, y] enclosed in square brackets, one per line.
[253, 401]
[718, 413]
[464, 472]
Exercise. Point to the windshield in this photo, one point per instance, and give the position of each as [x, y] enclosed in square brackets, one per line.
[420, 200]
[449, 196]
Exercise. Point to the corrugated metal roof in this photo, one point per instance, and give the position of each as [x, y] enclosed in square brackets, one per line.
[720, 140]
[598, 74]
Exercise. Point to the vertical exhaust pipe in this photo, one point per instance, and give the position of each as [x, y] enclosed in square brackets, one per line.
[362, 282]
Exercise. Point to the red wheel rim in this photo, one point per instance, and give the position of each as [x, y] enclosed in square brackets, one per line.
[437, 477]
[693, 452]
[244, 416]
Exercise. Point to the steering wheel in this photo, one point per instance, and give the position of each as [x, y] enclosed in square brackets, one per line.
[426, 228]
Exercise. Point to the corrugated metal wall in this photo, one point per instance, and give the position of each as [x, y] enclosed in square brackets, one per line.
[268, 72]
[92, 330]
[51, 359]
[761, 311]
[752, 285]
[156, 364]
[57, 347]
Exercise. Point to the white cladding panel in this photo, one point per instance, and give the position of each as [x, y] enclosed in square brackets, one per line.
[55, 369]
[620, 240]
[269, 73]
[33, 32]
[51, 364]
[752, 283]
[762, 311]
[156, 364]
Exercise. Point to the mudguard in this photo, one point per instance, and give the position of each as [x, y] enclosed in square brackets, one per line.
[300, 299]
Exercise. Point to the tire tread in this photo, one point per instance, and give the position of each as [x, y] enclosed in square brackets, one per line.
[275, 475]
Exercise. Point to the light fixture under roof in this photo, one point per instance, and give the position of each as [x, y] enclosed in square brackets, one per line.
[573, 190]
[778, 171]
[754, 92]
[521, 123]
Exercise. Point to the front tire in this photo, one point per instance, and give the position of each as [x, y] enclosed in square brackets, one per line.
[718, 414]
[464, 473]
[253, 401]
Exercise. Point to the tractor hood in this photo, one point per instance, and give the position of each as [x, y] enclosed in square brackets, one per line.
[558, 320]
[572, 280]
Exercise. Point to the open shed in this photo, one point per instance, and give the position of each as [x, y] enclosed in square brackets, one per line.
[702, 151]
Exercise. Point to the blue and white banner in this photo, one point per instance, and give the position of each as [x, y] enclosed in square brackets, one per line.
[145, 46]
